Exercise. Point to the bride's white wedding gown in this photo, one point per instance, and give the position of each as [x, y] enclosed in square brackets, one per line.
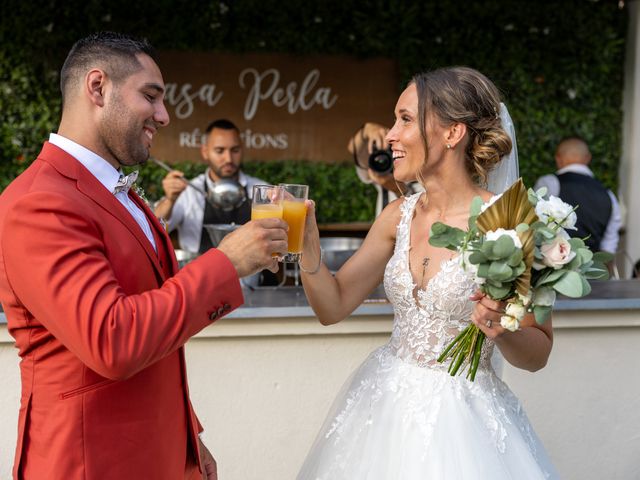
[401, 416]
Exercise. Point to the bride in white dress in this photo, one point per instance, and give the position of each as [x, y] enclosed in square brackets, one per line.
[401, 416]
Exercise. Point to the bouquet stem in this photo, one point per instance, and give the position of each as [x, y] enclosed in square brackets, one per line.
[465, 349]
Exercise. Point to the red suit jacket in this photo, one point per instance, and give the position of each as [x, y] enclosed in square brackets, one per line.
[100, 320]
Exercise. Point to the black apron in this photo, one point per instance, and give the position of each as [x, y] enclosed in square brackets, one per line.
[239, 216]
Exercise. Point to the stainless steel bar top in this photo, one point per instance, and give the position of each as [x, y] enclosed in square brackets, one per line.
[290, 301]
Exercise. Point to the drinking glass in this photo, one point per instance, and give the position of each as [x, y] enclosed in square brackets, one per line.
[267, 202]
[294, 212]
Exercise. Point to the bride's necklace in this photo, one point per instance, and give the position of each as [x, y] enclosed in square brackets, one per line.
[426, 259]
[425, 264]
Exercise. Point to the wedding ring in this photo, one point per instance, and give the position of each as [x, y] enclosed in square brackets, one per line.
[488, 324]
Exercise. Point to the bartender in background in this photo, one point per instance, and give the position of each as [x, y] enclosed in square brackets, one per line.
[374, 164]
[186, 210]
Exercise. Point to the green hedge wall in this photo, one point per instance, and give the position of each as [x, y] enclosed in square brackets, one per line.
[558, 63]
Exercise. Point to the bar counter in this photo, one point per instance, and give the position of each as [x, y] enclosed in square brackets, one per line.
[290, 301]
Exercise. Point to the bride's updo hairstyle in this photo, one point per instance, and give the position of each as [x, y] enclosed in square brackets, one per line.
[464, 95]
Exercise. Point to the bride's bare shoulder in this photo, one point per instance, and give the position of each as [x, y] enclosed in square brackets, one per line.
[390, 217]
[485, 195]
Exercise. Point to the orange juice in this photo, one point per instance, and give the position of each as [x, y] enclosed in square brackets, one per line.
[266, 210]
[295, 213]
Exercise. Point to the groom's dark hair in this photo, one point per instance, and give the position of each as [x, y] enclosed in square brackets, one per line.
[113, 52]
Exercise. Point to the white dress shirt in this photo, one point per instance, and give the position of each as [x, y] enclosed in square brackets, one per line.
[611, 237]
[188, 210]
[106, 175]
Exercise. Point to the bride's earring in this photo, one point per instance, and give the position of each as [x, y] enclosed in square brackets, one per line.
[448, 146]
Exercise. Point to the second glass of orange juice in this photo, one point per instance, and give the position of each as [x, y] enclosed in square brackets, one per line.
[294, 212]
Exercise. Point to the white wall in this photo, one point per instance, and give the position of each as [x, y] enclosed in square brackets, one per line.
[262, 387]
[629, 173]
[584, 403]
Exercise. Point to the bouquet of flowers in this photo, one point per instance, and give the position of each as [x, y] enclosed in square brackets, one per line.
[519, 250]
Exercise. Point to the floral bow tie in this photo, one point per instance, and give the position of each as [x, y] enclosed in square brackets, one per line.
[125, 182]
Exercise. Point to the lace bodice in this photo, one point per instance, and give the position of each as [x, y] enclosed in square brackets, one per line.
[423, 328]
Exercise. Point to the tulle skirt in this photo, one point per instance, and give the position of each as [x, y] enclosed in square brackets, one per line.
[396, 420]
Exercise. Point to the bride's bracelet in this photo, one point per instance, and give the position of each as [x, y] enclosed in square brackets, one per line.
[317, 269]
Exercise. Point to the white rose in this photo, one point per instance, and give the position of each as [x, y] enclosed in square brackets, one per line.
[555, 210]
[516, 310]
[544, 296]
[496, 234]
[491, 201]
[510, 323]
[557, 253]
[525, 299]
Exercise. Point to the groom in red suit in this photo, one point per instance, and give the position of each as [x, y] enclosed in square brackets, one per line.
[91, 288]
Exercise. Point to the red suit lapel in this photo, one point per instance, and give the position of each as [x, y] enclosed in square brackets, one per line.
[97, 193]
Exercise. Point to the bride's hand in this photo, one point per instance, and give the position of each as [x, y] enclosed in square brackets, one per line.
[487, 313]
[311, 248]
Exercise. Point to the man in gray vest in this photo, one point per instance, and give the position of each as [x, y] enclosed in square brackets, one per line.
[598, 213]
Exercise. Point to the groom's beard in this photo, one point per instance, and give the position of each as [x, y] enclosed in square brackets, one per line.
[122, 135]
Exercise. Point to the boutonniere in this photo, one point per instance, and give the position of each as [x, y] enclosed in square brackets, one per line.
[140, 192]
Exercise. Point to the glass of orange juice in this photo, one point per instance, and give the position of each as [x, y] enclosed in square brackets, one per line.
[267, 203]
[294, 212]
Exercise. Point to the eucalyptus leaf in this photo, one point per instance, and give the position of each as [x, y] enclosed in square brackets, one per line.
[586, 287]
[522, 227]
[504, 247]
[596, 273]
[533, 199]
[487, 248]
[602, 257]
[500, 271]
[477, 258]
[574, 264]
[585, 254]
[570, 285]
[497, 283]
[476, 205]
[439, 228]
[576, 243]
[547, 233]
[472, 223]
[537, 225]
[497, 293]
[483, 270]
[519, 270]
[552, 276]
[541, 313]
[542, 191]
[442, 235]
[515, 258]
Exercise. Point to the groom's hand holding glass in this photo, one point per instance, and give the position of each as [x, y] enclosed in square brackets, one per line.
[250, 248]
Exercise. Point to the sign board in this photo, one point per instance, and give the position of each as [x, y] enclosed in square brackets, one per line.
[286, 106]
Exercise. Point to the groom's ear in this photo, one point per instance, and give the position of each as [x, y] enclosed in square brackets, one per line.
[95, 85]
[455, 133]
